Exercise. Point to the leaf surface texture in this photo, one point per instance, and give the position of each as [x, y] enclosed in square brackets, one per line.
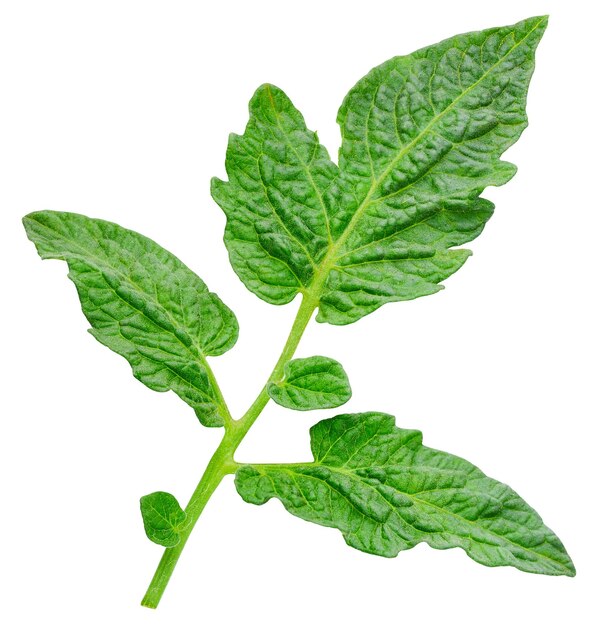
[387, 492]
[163, 518]
[144, 304]
[315, 382]
[422, 137]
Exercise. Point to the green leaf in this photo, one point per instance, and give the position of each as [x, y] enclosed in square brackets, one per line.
[387, 492]
[277, 232]
[163, 518]
[143, 303]
[315, 382]
[422, 137]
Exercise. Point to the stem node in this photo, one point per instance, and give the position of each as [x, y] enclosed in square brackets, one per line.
[222, 462]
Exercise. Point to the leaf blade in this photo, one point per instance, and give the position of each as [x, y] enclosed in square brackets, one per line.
[144, 304]
[163, 518]
[422, 137]
[413, 150]
[274, 200]
[315, 382]
[387, 492]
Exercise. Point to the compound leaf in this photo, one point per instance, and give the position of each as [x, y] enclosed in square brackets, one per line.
[144, 304]
[315, 382]
[422, 137]
[387, 492]
[163, 518]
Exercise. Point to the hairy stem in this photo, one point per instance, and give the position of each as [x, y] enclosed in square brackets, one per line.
[222, 462]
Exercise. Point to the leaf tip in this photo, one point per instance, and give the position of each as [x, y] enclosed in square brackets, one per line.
[28, 220]
[537, 21]
[570, 569]
[544, 20]
[268, 101]
[215, 183]
[262, 93]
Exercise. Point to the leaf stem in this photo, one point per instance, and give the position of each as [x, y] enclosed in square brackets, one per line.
[219, 465]
[222, 462]
[222, 406]
[307, 308]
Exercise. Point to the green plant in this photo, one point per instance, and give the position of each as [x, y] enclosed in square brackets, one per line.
[422, 137]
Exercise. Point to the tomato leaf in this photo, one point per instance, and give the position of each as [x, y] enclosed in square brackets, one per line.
[144, 304]
[315, 382]
[422, 137]
[163, 518]
[387, 492]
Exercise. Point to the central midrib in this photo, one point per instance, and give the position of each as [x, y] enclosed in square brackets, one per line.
[304, 165]
[332, 251]
[294, 467]
[99, 265]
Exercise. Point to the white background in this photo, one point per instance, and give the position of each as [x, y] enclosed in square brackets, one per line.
[121, 110]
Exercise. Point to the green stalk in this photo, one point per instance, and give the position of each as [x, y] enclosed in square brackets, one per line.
[219, 465]
[222, 462]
